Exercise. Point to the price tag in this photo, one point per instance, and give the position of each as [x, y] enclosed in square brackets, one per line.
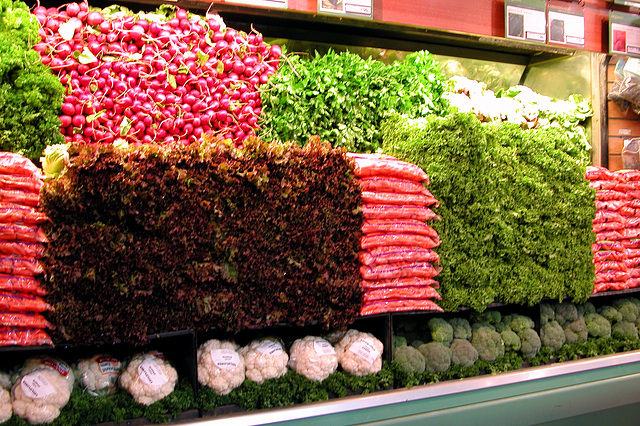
[269, 347]
[280, 4]
[323, 348]
[351, 8]
[151, 374]
[34, 385]
[624, 33]
[526, 20]
[365, 349]
[225, 359]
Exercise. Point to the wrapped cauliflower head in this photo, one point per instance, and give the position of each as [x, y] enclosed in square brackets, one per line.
[313, 357]
[264, 359]
[359, 353]
[100, 374]
[149, 377]
[42, 389]
[220, 366]
[6, 410]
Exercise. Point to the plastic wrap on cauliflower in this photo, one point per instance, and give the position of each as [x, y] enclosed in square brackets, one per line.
[149, 377]
[220, 366]
[6, 410]
[5, 380]
[359, 353]
[37, 362]
[39, 394]
[100, 374]
[313, 357]
[264, 359]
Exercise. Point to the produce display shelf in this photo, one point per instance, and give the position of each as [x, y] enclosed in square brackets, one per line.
[567, 392]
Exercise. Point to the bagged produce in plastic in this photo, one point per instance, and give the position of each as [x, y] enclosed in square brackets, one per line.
[399, 305]
[149, 377]
[42, 389]
[6, 409]
[359, 353]
[99, 374]
[220, 366]
[313, 357]
[264, 359]
[19, 336]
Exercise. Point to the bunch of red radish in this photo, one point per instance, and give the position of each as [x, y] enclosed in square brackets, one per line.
[152, 78]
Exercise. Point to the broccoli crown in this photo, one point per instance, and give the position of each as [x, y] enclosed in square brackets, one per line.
[597, 325]
[461, 328]
[463, 353]
[586, 308]
[490, 316]
[417, 343]
[576, 331]
[441, 330]
[488, 343]
[530, 343]
[625, 330]
[520, 322]
[565, 312]
[409, 359]
[437, 356]
[477, 325]
[628, 307]
[610, 313]
[546, 313]
[511, 340]
[399, 341]
[552, 335]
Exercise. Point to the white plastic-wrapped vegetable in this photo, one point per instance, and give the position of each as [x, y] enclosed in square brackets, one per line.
[6, 411]
[42, 389]
[264, 359]
[99, 374]
[5, 380]
[359, 353]
[313, 357]
[149, 377]
[220, 366]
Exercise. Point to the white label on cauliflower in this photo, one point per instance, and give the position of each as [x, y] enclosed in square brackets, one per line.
[269, 347]
[323, 348]
[151, 374]
[34, 385]
[225, 359]
[108, 365]
[364, 349]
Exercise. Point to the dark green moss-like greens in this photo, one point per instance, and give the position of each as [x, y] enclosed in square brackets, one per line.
[516, 210]
[151, 239]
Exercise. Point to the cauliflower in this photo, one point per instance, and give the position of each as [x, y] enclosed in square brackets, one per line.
[410, 359]
[100, 374]
[441, 331]
[597, 325]
[313, 357]
[463, 353]
[220, 366]
[552, 335]
[149, 377]
[37, 362]
[39, 394]
[511, 340]
[461, 328]
[529, 343]
[625, 329]
[6, 411]
[628, 308]
[360, 353]
[437, 356]
[264, 359]
[576, 331]
[610, 313]
[488, 343]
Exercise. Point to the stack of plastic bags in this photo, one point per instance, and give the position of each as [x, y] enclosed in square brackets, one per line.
[398, 263]
[21, 245]
[616, 252]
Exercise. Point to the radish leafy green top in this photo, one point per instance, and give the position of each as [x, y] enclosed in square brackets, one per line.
[344, 98]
